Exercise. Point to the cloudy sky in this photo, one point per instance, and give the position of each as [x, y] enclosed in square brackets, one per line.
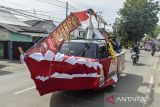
[108, 7]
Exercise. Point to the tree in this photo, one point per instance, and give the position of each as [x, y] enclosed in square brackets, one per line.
[155, 32]
[137, 17]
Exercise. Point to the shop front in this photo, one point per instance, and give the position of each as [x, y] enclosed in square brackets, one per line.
[10, 41]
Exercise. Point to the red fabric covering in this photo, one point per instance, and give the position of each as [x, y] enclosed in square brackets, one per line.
[82, 16]
[47, 68]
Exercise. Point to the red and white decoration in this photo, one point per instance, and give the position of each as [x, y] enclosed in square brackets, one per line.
[77, 73]
[53, 71]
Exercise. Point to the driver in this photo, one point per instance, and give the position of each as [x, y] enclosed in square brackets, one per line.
[136, 50]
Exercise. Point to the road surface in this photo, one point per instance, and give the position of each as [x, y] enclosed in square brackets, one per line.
[18, 90]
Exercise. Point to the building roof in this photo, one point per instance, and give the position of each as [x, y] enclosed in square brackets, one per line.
[40, 25]
[10, 27]
[32, 29]
[10, 22]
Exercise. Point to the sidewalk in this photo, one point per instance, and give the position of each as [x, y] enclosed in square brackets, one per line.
[157, 76]
[12, 66]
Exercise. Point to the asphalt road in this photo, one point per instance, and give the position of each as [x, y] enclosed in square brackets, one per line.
[18, 90]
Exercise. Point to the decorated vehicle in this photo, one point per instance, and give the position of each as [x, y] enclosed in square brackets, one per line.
[59, 64]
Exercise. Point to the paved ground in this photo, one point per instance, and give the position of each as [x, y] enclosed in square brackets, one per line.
[18, 90]
[156, 86]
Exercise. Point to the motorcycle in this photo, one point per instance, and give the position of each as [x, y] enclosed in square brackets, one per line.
[134, 58]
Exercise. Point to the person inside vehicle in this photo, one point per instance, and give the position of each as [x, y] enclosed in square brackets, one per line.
[115, 44]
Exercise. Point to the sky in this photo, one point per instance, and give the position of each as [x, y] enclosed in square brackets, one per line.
[108, 7]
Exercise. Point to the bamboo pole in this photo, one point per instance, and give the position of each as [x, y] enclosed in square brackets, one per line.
[20, 50]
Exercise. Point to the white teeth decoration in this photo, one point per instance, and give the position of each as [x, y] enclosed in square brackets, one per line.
[95, 65]
[22, 56]
[50, 56]
[68, 76]
[89, 63]
[37, 56]
[59, 57]
[100, 65]
[42, 78]
[115, 78]
[71, 60]
[62, 75]
[81, 61]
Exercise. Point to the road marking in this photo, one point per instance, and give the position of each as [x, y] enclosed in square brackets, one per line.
[150, 84]
[24, 90]
[151, 80]
[148, 92]
[155, 65]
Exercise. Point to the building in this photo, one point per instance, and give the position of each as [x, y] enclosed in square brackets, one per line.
[15, 33]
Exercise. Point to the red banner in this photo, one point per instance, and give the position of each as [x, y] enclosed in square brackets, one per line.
[54, 41]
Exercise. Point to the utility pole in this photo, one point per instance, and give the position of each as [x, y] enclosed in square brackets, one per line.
[66, 9]
[35, 13]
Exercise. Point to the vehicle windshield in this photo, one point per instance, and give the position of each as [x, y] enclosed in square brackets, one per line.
[79, 49]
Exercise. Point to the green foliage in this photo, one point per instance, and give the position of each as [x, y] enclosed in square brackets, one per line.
[137, 17]
[155, 32]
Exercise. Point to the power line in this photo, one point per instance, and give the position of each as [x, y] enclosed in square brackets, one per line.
[30, 9]
[70, 6]
[58, 4]
[16, 4]
[38, 13]
[34, 12]
[44, 13]
[23, 14]
[31, 12]
[52, 3]
[59, 1]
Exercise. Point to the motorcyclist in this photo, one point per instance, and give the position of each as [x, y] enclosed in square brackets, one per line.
[136, 50]
[153, 49]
